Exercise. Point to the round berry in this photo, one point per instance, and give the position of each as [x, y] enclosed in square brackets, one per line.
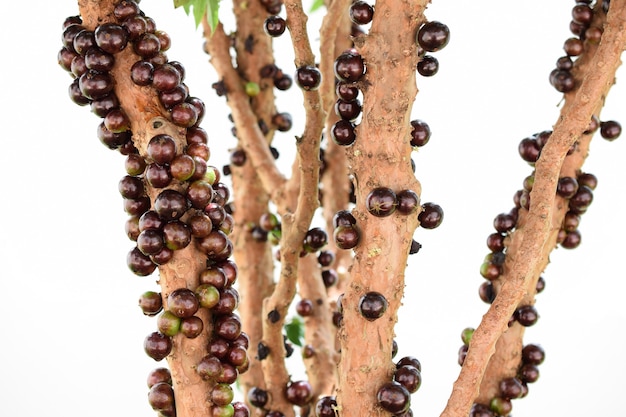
[373, 305]
[431, 216]
[349, 67]
[299, 393]
[346, 237]
[361, 13]
[428, 66]
[157, 345]
[183, 302]
[342, 132]
[610, 130]
[433, 36]
[420, 133]
[394, 398]
[381, 202]
[275, 26]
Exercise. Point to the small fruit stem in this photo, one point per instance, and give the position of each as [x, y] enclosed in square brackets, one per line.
[534, 238]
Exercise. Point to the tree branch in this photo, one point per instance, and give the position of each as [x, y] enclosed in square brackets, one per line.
[533, 238]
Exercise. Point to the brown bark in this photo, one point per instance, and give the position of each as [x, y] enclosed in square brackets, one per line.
[147, 117]
[534, 239]
[254, 259]
[382, 142]
[505, 361]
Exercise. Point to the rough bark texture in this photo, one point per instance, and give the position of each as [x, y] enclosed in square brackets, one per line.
[145, 112]
[254, 259]
[382, 142]
[505, 362]
[534, 238]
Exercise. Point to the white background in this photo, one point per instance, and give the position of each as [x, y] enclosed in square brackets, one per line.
[72, 336]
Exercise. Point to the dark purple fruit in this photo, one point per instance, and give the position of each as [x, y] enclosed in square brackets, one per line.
[299, 393]
[346, 237]
[150, 303]
[342, 132]
[228, 326]
[308, 78]
[526, 315]
[431, 216]
[346, 91]
[170, 205]
[257, 397]
[407, 202]
[610, 129]
[159, 375]
[183, 302]
[373, 305]
[420, 133]
[381, 202]
[567, 187]
[326, 406]
[533, 354]
[409, 361]
[528, 373]
[209, 367]
[329, 277]
[433, 36]
[161, 396]
[139, 263]
[428, 66]
[141, 73]
[274, 26]
[511, 388]
[315, 239]
[393, 398]
[349, 67]
[348, 110]
[111, 38]
[157, 345]
[191, 327]
[166, 77]
[176, 235]
[361, 13]
[304, 307]
[409, 377]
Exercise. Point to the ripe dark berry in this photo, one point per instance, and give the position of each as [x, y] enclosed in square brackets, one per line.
[562, 81]
[361, 13]
[610, 130]
[299, 393]
[409, 377]
[486, 292]
[165, 77]
[528, 373]
[511, 388]
[315, 239]
[431, 216]
[572, 240]
[503, 222]
[162, 149]
[275, 26]
[304, 307]
[349, 67]
[394, 398]
[346, 91]
[567, 187]
[433, 36]
[346, 237]
[150, 303]
[158, 176]
[325, 407]
[428, 66]
[588, 180]
[408, 201]
[111, 38]
[348, 110]
[282, 121]
[381, 202]
[161, 396]
[325, 258]
[157, 345]
[139, 263]
[342, 132]
[526, 315]
[529, 150]
[420, 133]
[308, 78]
[581, 200]
[257, 397]
[533, 354]
[330, 277]
[170, 205]
[183, 302]
[159, 375]
[373, 305]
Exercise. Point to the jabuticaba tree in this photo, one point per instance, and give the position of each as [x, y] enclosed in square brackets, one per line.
[232, 267]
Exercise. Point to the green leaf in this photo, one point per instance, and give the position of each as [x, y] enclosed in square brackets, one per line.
[200, 7]
[295, 331]
[317, 4]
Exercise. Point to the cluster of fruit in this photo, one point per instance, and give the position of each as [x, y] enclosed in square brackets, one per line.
[583, 30]
[188, 200]
[576, 191]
